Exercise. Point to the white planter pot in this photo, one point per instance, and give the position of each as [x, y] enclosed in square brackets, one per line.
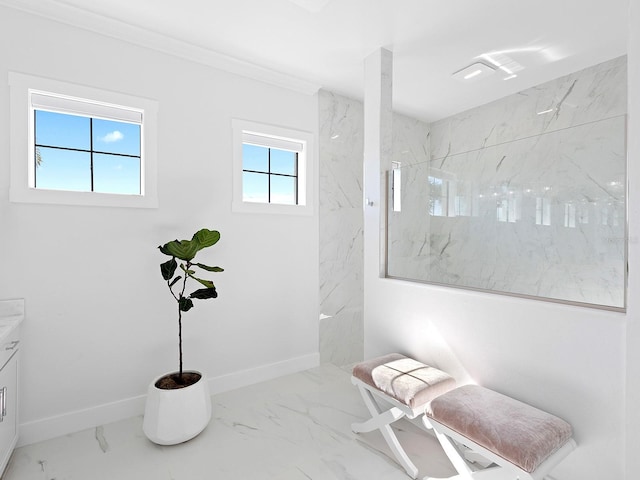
[175, 416]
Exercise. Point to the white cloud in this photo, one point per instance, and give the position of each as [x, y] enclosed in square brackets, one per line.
[114, 136]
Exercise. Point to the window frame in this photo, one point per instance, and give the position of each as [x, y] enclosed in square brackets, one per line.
[269, 173]
[271, 136]
[23, 88]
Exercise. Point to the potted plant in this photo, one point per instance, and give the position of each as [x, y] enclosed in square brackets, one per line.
[178, 404]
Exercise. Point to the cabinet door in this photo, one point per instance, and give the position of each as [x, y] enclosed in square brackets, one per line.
[8, 380]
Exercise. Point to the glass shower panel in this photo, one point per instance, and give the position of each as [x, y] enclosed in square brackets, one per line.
[543, 216]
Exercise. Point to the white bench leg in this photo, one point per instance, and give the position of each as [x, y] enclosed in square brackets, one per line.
[455, 456]
[380, 420]
[377, 422]
[498, 469]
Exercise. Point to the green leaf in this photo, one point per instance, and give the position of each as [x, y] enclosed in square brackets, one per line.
[185, 304]
[206, 283]
[208, 268]
[175, 280]
[187, 249]
[204, 293]
[182, 249]
[206, 238]
[168, 269]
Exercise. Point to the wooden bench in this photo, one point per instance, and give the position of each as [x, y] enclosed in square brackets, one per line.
[517, 440]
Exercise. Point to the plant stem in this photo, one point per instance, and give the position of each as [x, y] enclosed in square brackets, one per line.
[184, 286]
[180, 338]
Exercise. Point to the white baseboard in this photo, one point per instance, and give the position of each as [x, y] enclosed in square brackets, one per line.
[51, 427]
[224, 383]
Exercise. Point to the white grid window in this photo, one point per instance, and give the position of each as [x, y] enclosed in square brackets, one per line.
[272, 169]
[78, 145]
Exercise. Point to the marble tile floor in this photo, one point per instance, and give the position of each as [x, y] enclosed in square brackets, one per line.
[295, 427]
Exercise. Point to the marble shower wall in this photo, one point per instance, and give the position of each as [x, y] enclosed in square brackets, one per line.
[502, 199]
[341, 218]
[525, 194]
[341, 226]
[407, 239]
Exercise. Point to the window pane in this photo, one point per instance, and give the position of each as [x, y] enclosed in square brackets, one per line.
[116, 137]
[283, 190]
[61, 130]
[283, 161]
[255, 187]
[255, 158]
[63, 170]
[116, 174]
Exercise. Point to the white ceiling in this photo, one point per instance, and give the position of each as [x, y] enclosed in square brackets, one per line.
[324, 42]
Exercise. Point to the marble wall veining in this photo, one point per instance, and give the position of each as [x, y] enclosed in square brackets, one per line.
[341, 218]
[341, 224]
[591, 94]
[407, 237]
[525, 191]
[523, 195]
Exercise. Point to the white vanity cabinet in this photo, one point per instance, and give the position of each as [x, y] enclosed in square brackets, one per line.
[11, 315]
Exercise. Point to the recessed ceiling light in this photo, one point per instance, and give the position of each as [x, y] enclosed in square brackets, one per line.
[474, 71]
[505, 63]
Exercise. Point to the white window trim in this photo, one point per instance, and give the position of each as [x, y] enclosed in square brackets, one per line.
[21, 150]
[306, 168]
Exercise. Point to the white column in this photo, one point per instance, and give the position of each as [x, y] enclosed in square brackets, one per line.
[378, 75]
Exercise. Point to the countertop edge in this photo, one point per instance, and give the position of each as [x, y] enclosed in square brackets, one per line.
[11, 315]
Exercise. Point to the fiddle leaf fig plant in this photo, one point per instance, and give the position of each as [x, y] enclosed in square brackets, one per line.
[183, 253]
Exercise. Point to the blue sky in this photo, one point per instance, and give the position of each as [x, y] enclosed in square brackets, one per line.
[71, 170]
[66, 168]
[255, 186]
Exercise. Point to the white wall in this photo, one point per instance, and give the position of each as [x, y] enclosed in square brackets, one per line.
[567, 360]
[100, 323]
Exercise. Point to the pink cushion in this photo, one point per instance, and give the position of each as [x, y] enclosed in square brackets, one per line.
[515, 431]
[408, 381]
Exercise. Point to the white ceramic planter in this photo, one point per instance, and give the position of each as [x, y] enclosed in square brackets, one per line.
[175, 416]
